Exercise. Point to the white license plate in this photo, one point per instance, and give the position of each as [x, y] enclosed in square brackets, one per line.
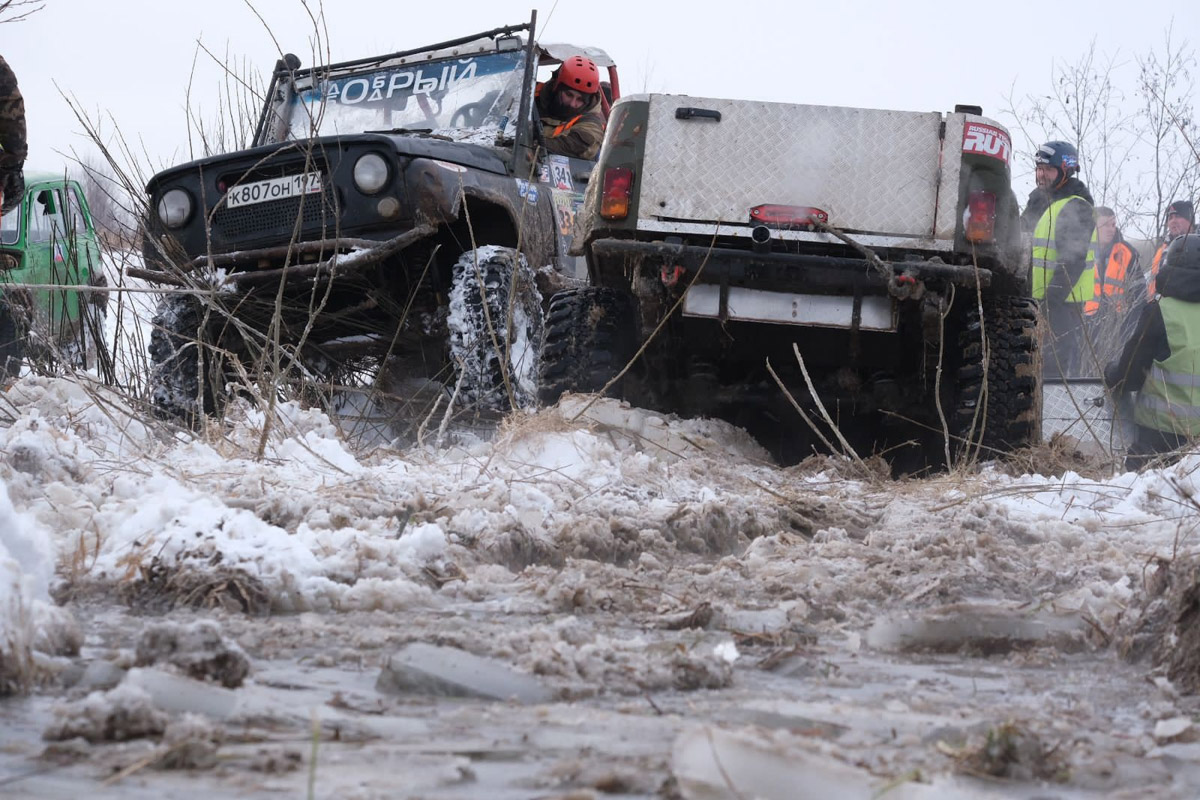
[816, 310]
[247, 194]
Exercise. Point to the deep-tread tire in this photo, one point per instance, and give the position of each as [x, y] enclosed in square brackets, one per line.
[591, 334]
[12, 345]
[177, 343]
[485, 345]
[1009, 412]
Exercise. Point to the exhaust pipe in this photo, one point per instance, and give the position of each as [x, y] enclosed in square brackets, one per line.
[760, 239]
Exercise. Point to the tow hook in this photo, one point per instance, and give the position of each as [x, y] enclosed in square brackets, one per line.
[671, 275]
[906, 286]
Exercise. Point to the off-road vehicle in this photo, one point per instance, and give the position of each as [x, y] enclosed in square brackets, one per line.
[390, 209]
[874, 255]
[50, 240]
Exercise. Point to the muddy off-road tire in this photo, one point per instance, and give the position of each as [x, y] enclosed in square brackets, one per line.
[178, 342]
[591, 334]
[12, 345]
[1004, 413]
[486, 346]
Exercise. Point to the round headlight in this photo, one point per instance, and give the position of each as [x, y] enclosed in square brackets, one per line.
[175, 208]
[370, 173]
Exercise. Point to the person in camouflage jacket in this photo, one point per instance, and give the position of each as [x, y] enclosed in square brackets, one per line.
[568, 105]
[12, 138]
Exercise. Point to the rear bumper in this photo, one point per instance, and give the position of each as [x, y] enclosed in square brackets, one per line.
[787, 271]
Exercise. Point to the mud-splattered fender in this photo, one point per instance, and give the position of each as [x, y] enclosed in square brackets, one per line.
[440, 189]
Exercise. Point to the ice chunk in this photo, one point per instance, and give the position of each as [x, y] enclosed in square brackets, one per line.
[199, 650]
[192, 743]
[711, 764]
[1166, 730]
[985, 628]
[421, 668]
[726, 651]
[100, 674]
[177, 694]
[127, 712]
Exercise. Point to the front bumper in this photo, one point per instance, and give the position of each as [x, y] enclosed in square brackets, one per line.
[336, 256]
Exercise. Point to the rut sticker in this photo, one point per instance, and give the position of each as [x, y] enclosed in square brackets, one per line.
[987, 140]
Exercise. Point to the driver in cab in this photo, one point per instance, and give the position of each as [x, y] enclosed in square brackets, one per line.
[569, 107]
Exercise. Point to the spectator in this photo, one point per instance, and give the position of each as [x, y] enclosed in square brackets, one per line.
[1181, 220]
[1059, 214]
[12, 139]
[1118, 287]
[1161, 360]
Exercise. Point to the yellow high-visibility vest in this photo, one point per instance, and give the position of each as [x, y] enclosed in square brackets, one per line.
[1045, 256]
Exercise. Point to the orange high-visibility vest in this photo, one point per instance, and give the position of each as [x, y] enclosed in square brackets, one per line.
[1111, 283]
[1152, 284]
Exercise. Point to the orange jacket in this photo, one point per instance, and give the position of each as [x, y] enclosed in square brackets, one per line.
[1112, 281]
[1152, 284]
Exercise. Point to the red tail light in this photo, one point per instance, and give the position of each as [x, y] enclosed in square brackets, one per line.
[981, 217]
[773, 214]
[618, 189]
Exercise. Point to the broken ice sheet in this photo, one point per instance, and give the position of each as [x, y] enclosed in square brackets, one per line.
[420, 668]
[986, 628]
[714, 764]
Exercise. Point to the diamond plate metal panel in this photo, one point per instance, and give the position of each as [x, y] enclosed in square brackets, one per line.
[871, 170]
[947, 203]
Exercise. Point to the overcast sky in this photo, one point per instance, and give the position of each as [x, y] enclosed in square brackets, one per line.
[128, 62]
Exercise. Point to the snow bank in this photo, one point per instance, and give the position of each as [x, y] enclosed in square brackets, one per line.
[26, 567]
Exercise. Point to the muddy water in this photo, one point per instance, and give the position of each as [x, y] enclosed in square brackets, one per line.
[698, 623]
[311, 715]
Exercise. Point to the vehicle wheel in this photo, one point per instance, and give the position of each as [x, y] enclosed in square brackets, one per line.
[1004, 413]
[179, 348]
[494, 343]
[12, 345]
[591, 334]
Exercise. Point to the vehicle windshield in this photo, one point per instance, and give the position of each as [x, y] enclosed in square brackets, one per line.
[473, 94]
[10, 226]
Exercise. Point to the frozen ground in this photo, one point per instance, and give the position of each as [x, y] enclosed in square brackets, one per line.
[575, 605]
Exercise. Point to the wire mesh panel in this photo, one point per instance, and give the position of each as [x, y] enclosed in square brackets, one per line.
[1084, 409]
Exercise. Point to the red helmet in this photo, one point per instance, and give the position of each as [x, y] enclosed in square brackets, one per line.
[580, 74]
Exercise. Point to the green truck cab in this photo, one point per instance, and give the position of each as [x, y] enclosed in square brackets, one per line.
[48, 240]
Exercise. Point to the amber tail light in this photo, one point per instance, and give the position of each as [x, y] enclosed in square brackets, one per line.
[617, 191]
[981, 217]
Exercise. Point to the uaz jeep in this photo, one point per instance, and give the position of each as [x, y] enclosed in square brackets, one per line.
[388, 211]
[49, 240]
[864, 264]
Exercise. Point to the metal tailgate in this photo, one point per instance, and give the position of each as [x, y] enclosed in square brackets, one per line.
[873, 171]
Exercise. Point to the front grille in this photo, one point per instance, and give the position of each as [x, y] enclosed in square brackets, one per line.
[233, 226]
